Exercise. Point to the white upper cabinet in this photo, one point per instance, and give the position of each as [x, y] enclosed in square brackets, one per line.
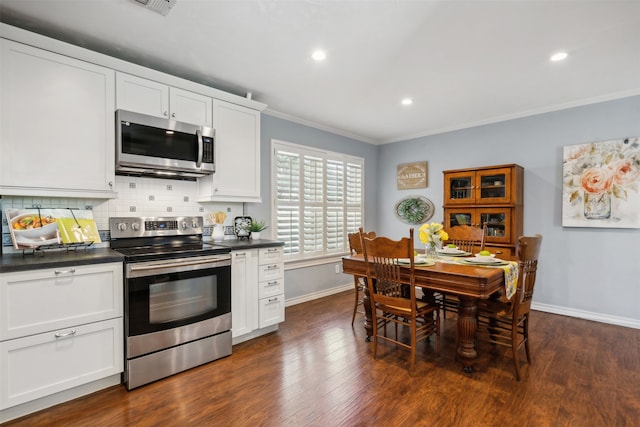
[156, 99]
[190, 107]
[56, 125]
[237, 156]
[142, 95]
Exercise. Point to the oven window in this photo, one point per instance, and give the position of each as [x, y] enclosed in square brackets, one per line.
[182, 299]
[165, 301]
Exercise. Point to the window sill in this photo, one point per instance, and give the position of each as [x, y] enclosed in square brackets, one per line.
[312, 262]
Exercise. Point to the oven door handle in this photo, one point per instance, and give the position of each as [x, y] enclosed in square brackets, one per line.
[210, 263]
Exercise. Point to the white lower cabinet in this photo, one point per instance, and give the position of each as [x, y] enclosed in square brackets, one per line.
[257, 293]
[60, 328]
[40, 365]
[271, 286]
[244, 292]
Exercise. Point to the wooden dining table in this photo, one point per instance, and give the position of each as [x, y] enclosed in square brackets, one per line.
[469, 283]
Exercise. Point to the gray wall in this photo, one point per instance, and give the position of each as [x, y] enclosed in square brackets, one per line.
[310, 280]
[586, 270]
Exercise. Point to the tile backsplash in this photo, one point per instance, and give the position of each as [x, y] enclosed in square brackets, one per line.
[137, 196]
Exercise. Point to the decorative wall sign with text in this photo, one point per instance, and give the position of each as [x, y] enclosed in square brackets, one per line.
[412, 175]
[601, 184]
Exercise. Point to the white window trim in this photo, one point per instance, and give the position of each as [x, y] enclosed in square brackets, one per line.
[300, 260]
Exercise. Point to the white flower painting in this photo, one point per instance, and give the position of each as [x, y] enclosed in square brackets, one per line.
[601, 184]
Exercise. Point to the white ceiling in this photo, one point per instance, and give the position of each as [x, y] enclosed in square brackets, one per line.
[464, 63]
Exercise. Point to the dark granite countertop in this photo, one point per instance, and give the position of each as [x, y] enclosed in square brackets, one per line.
[61, 258]
[57, 258]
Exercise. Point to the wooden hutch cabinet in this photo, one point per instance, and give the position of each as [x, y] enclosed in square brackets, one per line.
[488, 195]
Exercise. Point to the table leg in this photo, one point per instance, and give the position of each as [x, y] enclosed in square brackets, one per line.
[466, 351]
[368, 316]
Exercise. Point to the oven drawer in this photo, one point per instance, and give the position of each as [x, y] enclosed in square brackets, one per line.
[43, 300]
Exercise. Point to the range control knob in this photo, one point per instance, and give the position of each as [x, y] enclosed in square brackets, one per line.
[185, 225]
[194, 224]
[122, 226]
[135, 226]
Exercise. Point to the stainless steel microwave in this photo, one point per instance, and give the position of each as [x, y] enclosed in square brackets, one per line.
[155, 146]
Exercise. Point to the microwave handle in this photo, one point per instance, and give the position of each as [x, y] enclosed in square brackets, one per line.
[200, 148]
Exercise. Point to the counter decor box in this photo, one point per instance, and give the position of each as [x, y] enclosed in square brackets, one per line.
[32, 228]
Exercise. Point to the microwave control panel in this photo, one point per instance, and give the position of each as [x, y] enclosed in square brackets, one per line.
[207, 149]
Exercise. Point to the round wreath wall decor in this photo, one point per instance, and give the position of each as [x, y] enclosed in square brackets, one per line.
[414, 210]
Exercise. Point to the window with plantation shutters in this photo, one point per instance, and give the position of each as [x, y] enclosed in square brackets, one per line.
[318, 199]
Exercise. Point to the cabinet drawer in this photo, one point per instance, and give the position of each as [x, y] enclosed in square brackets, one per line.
[39, 365]
[44, 300]
[271, 288]
[270, 272]
[271, 255]
[501, 252]
[271, 310]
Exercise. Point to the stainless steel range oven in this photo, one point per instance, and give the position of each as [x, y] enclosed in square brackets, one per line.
[177, 296]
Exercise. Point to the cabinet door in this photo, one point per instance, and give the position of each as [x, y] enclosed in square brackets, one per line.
[459, 187]
[57, 125]
[237, 156]
[498, 222]
[40, 365]
[493, 186]
[190, 107]
[460, 216]
[142, 95]
[244, 292]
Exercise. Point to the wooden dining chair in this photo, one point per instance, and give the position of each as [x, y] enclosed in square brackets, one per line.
[393, 294]
[469, 239]
[507, 322]
[355, 248]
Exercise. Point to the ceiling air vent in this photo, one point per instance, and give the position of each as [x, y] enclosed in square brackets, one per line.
[161, 6]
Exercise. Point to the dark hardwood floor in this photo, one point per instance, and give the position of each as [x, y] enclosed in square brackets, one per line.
[318, 371]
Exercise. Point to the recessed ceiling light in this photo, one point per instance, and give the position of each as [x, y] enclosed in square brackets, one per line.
[407, 101]
[559, 56]
[319, 55]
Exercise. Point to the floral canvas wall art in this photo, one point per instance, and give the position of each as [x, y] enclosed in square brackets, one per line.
[601, 184]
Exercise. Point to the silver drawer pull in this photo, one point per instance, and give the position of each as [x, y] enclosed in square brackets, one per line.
[59, 335]
[275, 282]
[273, 250]
[273, 299]
[240, 254]
[272, 267]
[59, 272]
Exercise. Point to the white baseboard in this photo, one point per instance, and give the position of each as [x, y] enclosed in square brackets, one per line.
[564, 311]
[319, 294]
[587, 315]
